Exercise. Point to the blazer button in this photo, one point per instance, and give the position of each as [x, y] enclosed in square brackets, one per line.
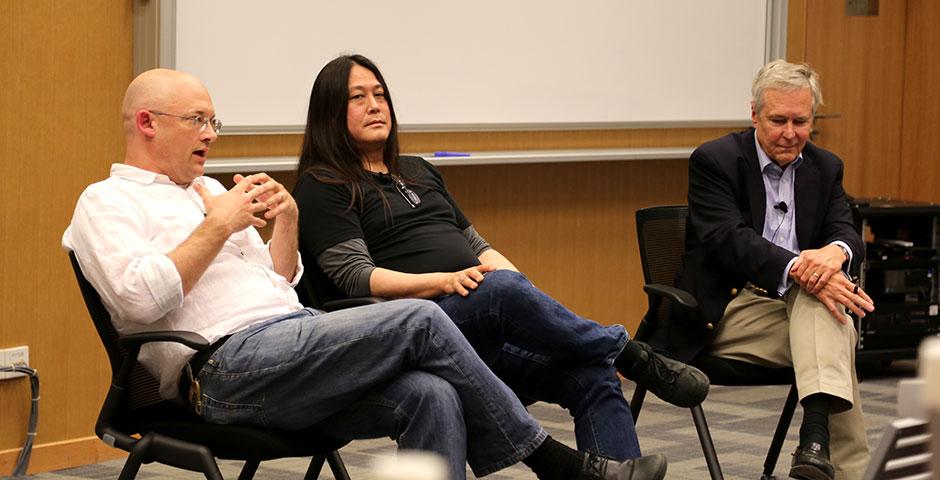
[709, 326]
[734, 292]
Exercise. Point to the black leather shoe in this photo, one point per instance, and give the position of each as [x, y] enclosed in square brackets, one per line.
[811, 463]
[671, 380]
[596, 467]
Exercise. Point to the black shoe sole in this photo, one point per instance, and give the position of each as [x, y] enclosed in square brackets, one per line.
[808, 472]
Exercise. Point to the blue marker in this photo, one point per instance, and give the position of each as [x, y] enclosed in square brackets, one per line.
[451, 154]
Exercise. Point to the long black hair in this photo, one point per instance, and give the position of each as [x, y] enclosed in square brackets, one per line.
[329, 152]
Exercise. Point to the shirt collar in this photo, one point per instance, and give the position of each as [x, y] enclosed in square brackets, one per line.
[764, 160]
[145, 177]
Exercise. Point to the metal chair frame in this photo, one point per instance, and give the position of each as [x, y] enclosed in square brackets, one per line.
[135, 419]
[661, 237]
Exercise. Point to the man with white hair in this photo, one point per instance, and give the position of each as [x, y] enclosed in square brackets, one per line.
[170, 249]
[769, 244]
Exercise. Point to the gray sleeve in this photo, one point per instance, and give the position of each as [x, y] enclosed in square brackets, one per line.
[477, 243]
[349, 265]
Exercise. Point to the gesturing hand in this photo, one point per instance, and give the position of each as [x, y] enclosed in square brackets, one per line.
[272, 194]
[235, 209]
[465, 280]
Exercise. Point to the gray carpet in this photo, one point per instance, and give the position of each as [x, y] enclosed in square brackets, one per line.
[741, 420]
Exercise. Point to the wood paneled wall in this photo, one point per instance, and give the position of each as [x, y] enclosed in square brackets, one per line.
[63, 69]
[861, 65]
[570, 227]
[920, 140]
[879, 74]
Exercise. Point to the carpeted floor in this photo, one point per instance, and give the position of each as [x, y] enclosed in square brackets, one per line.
[741, 420]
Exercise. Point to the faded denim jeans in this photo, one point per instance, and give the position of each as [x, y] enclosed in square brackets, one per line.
[546, 352]
[399, 369]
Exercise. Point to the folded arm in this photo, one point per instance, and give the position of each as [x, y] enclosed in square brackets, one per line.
[349, 265]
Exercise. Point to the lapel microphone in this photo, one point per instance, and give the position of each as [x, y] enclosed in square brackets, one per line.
[782, 206]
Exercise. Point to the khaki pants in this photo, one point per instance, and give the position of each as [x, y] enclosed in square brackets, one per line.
[798, 331]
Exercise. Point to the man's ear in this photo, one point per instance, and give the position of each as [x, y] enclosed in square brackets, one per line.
[143, 120]
[753, 115]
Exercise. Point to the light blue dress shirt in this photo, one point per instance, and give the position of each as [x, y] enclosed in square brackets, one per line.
[780, 222]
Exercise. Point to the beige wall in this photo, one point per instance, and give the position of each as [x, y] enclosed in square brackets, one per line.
[63, 69]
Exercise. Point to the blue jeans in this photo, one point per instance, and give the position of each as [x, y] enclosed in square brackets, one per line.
[544, 351]
[399, 369]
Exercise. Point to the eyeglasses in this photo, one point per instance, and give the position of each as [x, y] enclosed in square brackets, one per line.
[197, 121]
[410, 196]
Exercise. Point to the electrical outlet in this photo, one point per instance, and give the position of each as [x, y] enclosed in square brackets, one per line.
[14, 356]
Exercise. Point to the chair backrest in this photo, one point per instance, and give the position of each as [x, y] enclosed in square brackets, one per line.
[661, 236]
[904, 452]
[143, 389]
[315, 288]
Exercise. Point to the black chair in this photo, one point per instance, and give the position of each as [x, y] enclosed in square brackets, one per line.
[316, 290]
[172, 435]
[661, 235]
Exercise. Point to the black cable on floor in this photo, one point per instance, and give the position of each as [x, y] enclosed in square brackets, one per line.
[19, 469]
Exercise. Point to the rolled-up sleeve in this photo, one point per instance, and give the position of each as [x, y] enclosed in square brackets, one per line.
[137, 282]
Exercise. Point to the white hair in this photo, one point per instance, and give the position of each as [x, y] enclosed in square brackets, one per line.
[783, 75]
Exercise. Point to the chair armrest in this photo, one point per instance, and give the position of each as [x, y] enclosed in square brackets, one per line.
[340, 304]
[656, 292]
[679, 296]
[190, 339]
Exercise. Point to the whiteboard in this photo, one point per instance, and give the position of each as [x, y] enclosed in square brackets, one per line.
[481, 65]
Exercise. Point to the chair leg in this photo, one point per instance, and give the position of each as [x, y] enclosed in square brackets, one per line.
[316, 465]
[783, 424]
[211, 471]
[708, 447]
[337, 466]
[136, 457]
[249, 469]
[636, 403]
[131, 467]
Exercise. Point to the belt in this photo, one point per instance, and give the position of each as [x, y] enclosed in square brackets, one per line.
[189, 386]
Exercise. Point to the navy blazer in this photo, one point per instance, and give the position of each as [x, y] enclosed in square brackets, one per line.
[724, 247]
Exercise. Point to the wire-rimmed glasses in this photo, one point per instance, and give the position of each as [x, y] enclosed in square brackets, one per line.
[197, 121]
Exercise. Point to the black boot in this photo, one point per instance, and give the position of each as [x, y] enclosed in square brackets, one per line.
[673, 381]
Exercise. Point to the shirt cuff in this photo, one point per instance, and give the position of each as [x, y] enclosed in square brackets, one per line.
[163, 281]
[786, 281]
[300, 272]
[848, 251]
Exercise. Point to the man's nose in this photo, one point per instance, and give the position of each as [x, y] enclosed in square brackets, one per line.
[373, 104]
[788, 130]
[209, 135]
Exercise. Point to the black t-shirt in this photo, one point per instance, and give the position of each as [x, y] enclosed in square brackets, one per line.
[427, 238]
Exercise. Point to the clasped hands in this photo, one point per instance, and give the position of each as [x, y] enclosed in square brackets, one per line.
[819, 272]
[240, 207]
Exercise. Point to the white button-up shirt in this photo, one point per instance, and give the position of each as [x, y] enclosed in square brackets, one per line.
[121, 232]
